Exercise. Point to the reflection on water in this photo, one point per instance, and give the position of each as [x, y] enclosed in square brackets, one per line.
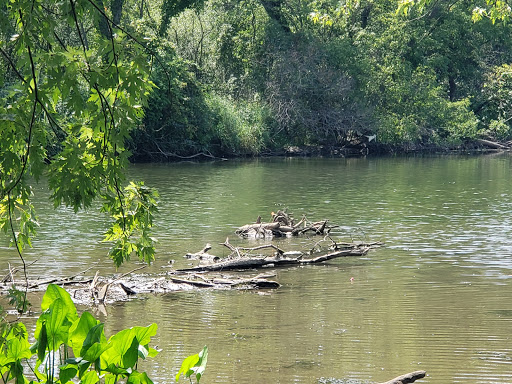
[437, 297]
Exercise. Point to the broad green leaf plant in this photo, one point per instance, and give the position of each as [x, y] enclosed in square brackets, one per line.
[70, 348]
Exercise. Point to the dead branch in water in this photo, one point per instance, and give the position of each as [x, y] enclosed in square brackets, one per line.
[63, 281]
[407, 378]
[238, 249]
[103, 291]
[262, 261]
[283, 225]
[13, 271]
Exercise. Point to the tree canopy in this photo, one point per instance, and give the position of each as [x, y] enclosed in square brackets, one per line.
[73, 85]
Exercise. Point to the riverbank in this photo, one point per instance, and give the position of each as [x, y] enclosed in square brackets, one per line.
[356, 149]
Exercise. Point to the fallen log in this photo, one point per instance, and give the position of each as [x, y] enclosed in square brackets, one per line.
[269, 226]
[259, 281]
[245, 262]
[492, 144]
[407, 378]
[259, 230]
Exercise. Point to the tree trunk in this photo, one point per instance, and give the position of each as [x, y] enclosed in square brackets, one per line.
[103, 26]
[492, 144]
[117, 10]
[273, 9]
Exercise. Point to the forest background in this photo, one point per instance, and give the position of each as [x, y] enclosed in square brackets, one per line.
[251, 77]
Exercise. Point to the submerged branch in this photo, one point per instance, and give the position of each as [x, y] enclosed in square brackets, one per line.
[407, 378]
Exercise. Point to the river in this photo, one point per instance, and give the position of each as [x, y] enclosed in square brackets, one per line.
[436, 297]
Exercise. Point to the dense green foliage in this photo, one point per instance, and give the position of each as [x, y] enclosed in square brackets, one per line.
[251, 76]
[71, 348]
[246, 77]
[82, 81]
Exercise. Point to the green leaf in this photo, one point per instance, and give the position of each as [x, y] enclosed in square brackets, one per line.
[42, 343]
[187, 365]
[114, 369]
[195, 364]
[131, 355]
[144, 334]
[139, 378]
[57, 326]
[67, 372]
[79, 331]
[152, 352]
[142, 352]
[94, 352]
[201, 364]
[54, 292]
[94, 336]
[18, 348]
[90, 377]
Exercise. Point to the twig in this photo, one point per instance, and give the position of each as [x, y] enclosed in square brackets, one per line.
[280, 251]
[60, 281]
[226, 244]
[93, 284]
[319, 242]
[195, 283]
[15, 270]
[172, 154]
[10, 272]
[103, 292]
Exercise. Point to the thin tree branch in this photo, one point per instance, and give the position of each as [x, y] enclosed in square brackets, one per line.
[9, 202]
[79, 33]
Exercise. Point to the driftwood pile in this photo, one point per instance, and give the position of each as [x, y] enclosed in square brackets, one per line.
[282, 224]
[100, 290]
[210, 272]
[243, 259]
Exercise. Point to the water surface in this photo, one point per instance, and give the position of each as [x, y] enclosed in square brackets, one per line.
[437, 297]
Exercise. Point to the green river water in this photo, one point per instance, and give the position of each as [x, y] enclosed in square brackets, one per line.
[437, 296]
